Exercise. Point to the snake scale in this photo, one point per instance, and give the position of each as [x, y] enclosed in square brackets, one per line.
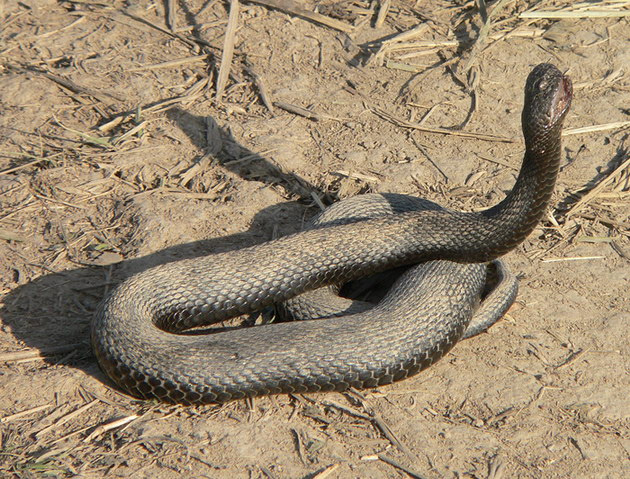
[327, 302]
[415, 324]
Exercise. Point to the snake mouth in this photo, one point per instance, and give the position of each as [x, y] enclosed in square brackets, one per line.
[563, 97]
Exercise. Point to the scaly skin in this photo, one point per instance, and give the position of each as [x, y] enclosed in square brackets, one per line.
[411, 328]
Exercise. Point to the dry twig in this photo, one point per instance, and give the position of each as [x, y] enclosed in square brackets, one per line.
[171, 63]
[383, 10]
[595, 191]
[289, 6]
[443, 131]
[306, 113]
[228, 48]
[398, 465]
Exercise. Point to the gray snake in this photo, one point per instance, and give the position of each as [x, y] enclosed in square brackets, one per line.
[327, 302]
[414, 325]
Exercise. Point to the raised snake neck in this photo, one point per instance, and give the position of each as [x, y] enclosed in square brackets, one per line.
[150, 362]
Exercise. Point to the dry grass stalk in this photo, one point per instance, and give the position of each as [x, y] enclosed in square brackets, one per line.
[572, 258]
[356, 176]
[291, 7]
[70, 435]
[66, 418]
[208, 5]
[262, 89]
[52, 32]
[9, 235]
[200, 26]
[318, 201]
[21, 414]
[406, 35]
[102, 142]
[179, 193]
[421, 44]
[588, 197]
[379, 423]
[171, 63]
[428, 157]
[306, 113]
[442, 131]
[128, 134]
[108, 426]
[171, 19]
[404, 67]
[393, 42]
[326, 472]
[190, 95]
[421, 48]
[73, 87]
[190, 43]
[398, 465]
[228, 49]
[498, 162]
[419, 53]
[194, 170]
[610, 8]
[575, 14]
[35, 161]
[611, 77]
[252, 156]
[603, 127]
[383, 10]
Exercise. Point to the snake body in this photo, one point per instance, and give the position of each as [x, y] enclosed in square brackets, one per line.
[327, 302]
[421, 318]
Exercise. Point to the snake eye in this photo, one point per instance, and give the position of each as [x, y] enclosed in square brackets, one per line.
[542, 85]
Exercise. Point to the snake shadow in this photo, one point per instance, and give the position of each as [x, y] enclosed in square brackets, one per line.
[52, 313]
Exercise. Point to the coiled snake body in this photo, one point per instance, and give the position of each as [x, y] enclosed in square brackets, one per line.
[422, 317]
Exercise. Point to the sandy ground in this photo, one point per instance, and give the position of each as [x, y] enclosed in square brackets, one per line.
[116, 155]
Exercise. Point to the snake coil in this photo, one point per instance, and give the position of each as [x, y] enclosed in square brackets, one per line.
[414, 325]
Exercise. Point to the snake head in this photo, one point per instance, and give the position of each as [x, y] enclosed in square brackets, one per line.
[548, 94]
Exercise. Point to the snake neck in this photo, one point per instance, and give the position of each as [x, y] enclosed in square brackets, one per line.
[514, 218]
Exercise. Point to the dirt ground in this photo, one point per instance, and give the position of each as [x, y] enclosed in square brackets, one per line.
[117, 154]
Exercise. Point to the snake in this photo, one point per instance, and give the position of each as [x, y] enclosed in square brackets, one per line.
[499, 294]
[142, 333]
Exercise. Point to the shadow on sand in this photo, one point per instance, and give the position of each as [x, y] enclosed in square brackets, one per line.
[52, 314]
